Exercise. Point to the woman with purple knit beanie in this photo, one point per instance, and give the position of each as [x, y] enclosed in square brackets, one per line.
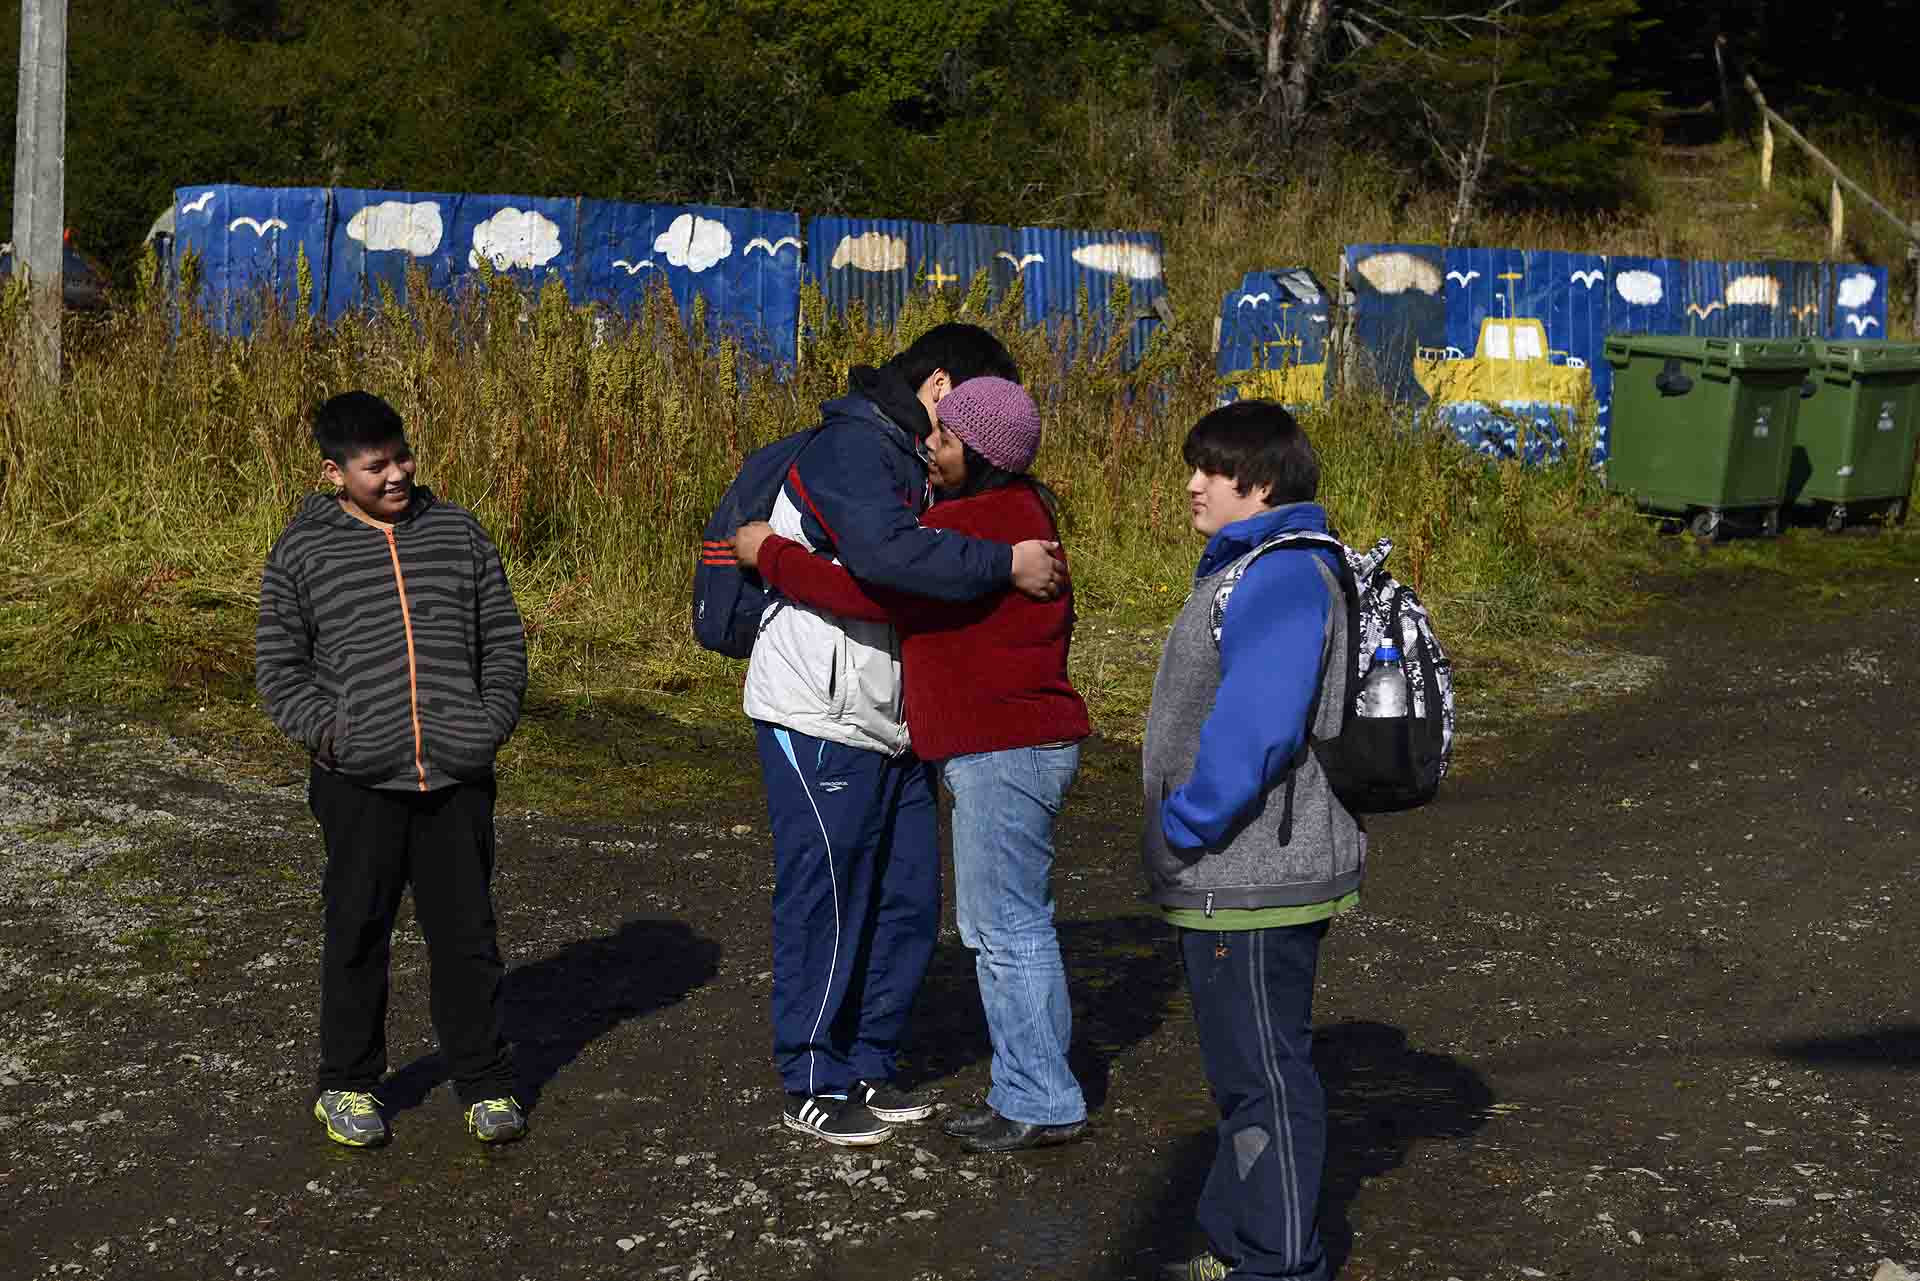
[989, 703]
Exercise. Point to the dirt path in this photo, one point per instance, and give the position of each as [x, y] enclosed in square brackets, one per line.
[1639, 1001]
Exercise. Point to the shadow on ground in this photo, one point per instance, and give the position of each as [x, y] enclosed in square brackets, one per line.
[1383, 1095]
[1120, 971]
[1894, 1045]
[557, 1006]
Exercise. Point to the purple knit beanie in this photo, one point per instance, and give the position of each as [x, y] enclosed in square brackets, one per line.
[997, 418]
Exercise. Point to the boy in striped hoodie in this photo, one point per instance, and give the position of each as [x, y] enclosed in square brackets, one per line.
[389, 646]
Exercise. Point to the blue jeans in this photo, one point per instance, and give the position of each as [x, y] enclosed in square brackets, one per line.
[1004, 804]
[1252, 996]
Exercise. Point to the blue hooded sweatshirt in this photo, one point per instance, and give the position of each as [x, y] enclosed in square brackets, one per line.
[1275, 618]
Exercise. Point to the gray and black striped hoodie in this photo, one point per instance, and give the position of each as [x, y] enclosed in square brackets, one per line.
[393, 653]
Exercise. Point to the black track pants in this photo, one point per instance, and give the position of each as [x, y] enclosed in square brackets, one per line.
[377, 842]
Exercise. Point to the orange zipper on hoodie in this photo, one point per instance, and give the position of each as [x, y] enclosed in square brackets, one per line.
[406, 620]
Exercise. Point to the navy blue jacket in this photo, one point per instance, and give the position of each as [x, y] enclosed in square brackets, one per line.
[860, 488]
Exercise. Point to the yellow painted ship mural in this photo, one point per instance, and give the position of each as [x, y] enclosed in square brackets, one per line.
[1273, 338]
[1512, 363]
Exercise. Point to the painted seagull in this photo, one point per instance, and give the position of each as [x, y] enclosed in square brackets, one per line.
[771, 246]
[259, 228]
[197, 204]
[1021, 263]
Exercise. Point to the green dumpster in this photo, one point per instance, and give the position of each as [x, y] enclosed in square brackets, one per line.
[1853, 441]
[1704, 426]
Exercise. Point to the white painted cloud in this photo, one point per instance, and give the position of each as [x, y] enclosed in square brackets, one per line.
[1753, 291]
[396, 224]
[1396, 272]
[694, 243]
[1857, 290]
[871, 251]
[1641, 288]
[512, 238]
[1119, 258]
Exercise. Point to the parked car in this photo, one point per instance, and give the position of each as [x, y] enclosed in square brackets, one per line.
[83, 280]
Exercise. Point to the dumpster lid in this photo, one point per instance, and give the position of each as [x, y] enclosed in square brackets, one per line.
[1867, 357]
[1737, 353]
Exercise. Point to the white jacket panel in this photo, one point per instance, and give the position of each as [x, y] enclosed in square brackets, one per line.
[823, 675]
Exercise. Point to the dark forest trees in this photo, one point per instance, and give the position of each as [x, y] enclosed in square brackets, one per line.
[963, 109]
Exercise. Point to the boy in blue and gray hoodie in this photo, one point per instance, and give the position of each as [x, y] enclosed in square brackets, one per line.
[1247, 850]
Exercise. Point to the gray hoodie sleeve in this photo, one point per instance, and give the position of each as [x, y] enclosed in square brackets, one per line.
[283, 670]
[502, 637]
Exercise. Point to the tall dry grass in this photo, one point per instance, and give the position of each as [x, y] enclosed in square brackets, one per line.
[138, 502]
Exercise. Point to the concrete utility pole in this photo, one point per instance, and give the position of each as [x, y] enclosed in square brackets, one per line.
[40, 176]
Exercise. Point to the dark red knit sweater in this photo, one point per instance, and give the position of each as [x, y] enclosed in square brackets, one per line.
[980, 676]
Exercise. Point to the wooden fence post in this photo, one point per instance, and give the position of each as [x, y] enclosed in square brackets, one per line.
[1836, 223]
[1913, 262]
[1720, 73]
[1766, 152]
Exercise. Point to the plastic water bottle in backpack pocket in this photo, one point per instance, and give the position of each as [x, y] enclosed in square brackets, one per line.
[1383, 694]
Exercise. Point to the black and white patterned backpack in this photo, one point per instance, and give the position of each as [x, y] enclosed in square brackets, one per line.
[1375, 764]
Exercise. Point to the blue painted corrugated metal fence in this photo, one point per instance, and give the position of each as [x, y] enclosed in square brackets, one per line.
[877, 263]
[1504, 345]
[744, 263]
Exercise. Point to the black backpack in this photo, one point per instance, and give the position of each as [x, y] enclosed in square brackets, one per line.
[728, 600]
[1376, 764]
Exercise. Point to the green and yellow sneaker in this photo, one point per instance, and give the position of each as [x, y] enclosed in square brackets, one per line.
[500, 1120]
[1201, 1267]
[352, 1117]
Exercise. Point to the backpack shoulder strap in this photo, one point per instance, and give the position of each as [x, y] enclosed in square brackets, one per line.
[1303, 540]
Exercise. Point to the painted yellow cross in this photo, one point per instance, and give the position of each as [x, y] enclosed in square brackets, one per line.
[939, 279]
[1510, 277]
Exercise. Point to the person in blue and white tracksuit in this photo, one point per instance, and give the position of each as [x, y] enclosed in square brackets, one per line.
[856, 898]
[1247, 850]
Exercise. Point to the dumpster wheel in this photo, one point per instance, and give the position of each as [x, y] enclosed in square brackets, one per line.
[1836, 518]
[1705, 525]
[1770, 523]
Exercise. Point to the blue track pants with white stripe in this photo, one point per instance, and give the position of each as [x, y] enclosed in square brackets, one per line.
[1252, 996]
[856, 905]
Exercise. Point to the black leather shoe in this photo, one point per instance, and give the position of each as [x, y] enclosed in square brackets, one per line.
[1002, 1135]
[965, 1121]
